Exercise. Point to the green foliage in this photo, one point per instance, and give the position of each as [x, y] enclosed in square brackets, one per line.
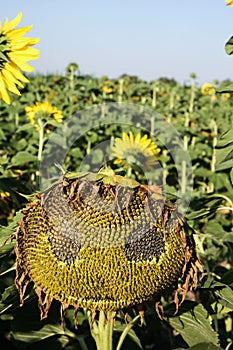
[195, 326]
[204, 320]
[229, 46]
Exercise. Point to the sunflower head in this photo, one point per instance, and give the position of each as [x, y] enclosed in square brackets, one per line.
[15, 52]
[131, 151]
[44, 112]
[207, 89]
[225, 97]
[102, 246]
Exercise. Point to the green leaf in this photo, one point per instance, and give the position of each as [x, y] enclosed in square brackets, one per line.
[225, 88]
[194, 326]
[205, 346]
[6, 231]
[7, 245]
[224, 151]
[227, 278]
[231, 176]
[229, 46]
[23, 157]
[47, 331]
[225, 139]
[204, 206]
[225, 296]
[10, 297]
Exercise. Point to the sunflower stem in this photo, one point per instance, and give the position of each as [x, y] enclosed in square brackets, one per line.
[213, 159]
[41, 139]
[129, 171]
[126, 331]
[16, 120]
[120, 92]
[102, 331]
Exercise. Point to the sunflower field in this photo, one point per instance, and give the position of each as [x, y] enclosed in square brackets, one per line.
[111, 149]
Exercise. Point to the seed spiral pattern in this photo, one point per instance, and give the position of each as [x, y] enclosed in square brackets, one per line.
[101, 246]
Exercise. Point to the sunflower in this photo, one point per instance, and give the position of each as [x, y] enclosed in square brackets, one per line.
[44, 112]
[133, 150]
[4, 195]
[94, 245]
[207, 89]
[229, 3]
[225, 96]
[15, 52]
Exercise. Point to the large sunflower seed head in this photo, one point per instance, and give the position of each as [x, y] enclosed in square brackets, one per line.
[101, 246]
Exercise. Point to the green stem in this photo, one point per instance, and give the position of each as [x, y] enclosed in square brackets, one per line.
[184, 168]
[16, 120]
[120, 93]
[88, 147]
[41, 139]
[129, 171]
[213, 159]
[214, 144]
[192, 97]
[102, 330]
[71, 77]
[126, 331]
[171, 102]
[154, 97]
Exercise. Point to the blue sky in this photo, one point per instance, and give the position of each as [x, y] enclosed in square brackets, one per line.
[149, 38]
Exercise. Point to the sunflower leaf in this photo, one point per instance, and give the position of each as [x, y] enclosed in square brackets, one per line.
[194, 326]
[205, 346]
[229, 46]
[231, 175]
[23, 157]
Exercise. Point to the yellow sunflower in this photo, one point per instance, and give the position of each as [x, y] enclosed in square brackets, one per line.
[229, 3]
[43, 111]
[4, 195]
[133, 150]
[207, 89]
[14, 52]
[226, 96]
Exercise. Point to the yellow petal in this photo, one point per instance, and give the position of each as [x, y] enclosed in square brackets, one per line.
[146, 143]
[11, 87]
[3, 91]
[10, 25]
[21, 64]
[10, 82]
[229, 3]
[21, 43]
[138, 137]
[143, 138]
[25, 53]
[19, 32]
[125, 136]
[17, 74]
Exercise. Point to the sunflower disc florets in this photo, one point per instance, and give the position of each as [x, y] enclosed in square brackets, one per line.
[102, 246]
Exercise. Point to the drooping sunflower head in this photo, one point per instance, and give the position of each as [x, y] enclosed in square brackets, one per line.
[44, 112]
[207, 89]
[135, 150]
[91, 244]
[15, 52]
